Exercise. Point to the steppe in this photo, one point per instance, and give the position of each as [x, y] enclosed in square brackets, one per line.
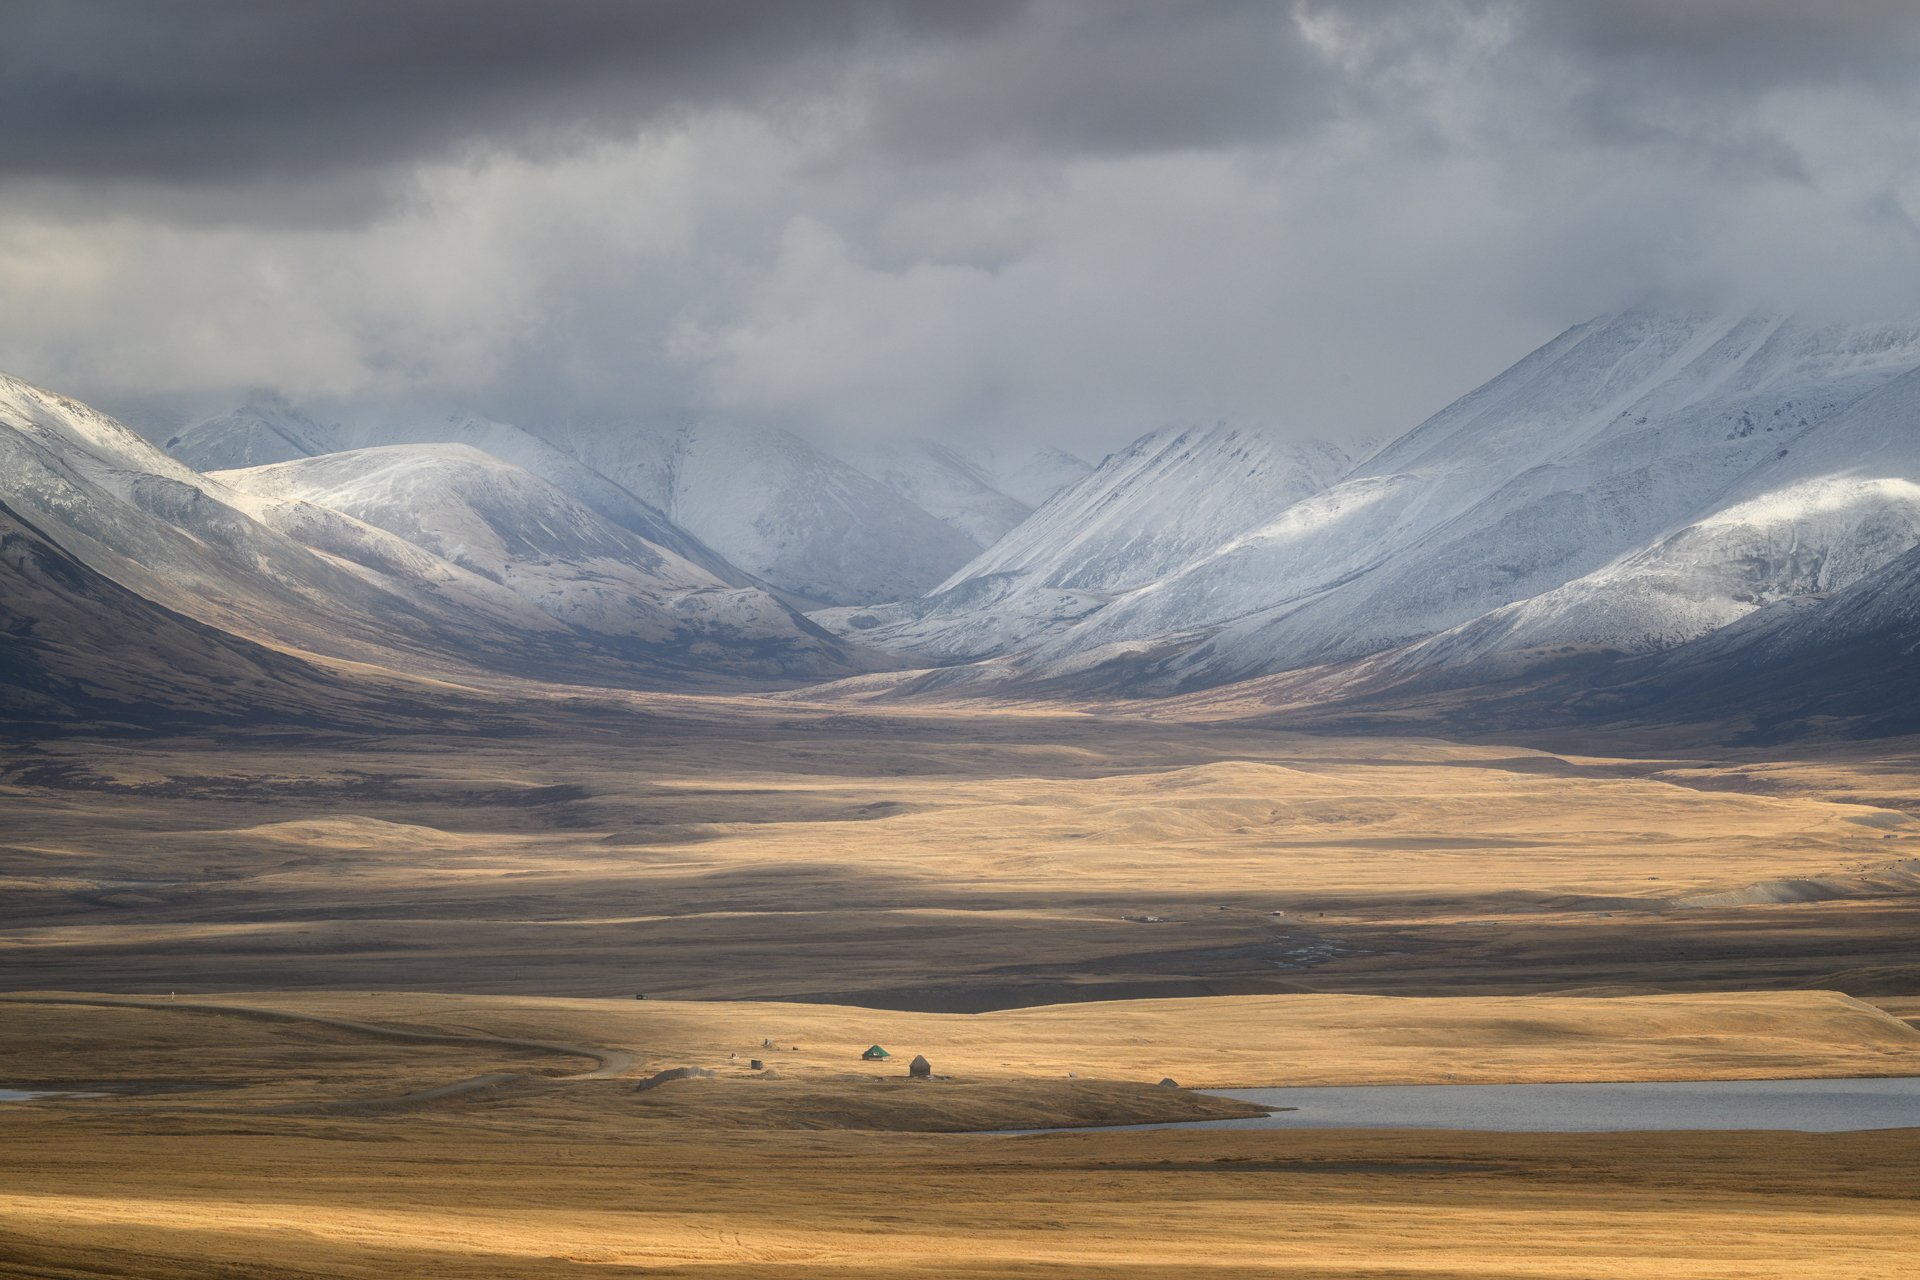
[363, 1004]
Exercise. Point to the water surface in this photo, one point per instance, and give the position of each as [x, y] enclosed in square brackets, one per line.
[1810, 1106]
[28, 1095]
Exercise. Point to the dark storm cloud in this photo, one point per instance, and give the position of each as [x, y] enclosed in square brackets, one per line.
[1076, 219]
[1112, 78]
[1687, 79]
[219, 90]
[1741, 47]
[245, 92]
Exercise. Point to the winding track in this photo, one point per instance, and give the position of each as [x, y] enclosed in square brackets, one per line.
[610, 1062]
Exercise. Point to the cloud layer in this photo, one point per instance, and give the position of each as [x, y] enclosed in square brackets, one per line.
[1071, 219]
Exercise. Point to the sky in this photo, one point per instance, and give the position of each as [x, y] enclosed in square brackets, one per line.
[1067, 221]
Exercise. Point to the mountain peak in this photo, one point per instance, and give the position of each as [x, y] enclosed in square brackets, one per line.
[266, 427]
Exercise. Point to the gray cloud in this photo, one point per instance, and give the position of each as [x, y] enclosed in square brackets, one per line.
[1071, 218]
[1695, 78]
[1116, 78]
[1739, 46]
[205, 90]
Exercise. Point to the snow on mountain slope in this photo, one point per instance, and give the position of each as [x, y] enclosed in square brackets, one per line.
[453, 500]
[81, 436]
[189, 544]
[1027, 475]
[1614, 434]
[1144, 512]
[573, 477]
[943, 484]
[510, 527]
[1812, 538]
[393, 565]
[778, 507]
[1881, 609]
[1811, 664]
[1839, 501]
[168, 534]
[264, 429]
[75, 645]
[876, 521]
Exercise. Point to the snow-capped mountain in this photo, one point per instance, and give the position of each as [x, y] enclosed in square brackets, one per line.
[78, 645]
[264, 429]
[311, 580]
[754, 506]
[1869, 631]
[1029, 475]
[1615, 438]
[167, 534]
[778, 507]
[515, 530]
[1144, 513]
[1153, 507]
[1647, 483]
[1809, 665]
[867, 521]
[943, 484]
[1821, 513]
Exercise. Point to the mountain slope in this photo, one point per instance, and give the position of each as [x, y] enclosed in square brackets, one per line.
[1825, 666]
[1027, 475]
[263, 429]
[172, 536]
[778, 507]
[1808, 666]
[943, 484]
[1143, 513]
[573, 477]
[77, 646]
[1848, 654]
[1151, 508]
[512, 529]
[1839, 501]
[267, 430]
[1612, 436]
[307, 579]
[755, 507]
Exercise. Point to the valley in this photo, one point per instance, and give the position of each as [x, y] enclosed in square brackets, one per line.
[374, 1010]
[946, 858]
[445, 848]
[896, 640]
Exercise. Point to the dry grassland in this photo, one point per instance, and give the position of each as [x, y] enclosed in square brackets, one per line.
[947, 861]
[440, 939]
[1221, 1042]
[798, 1175]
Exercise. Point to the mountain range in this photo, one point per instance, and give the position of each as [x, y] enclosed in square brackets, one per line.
[1636, 482]
[1641, 482]
[433, 560]
[753, 505]
[1651, 505]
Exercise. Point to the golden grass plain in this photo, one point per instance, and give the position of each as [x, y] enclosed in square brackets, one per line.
[1018, 893]
[960, 860]
[837, 1167]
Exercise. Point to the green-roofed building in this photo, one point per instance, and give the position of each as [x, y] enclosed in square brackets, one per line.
[875, 1053]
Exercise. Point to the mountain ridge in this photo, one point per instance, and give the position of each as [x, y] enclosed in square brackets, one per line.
[755, 506]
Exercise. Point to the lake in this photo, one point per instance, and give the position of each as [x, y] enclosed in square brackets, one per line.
[28, 1095]
[1811, 1106]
